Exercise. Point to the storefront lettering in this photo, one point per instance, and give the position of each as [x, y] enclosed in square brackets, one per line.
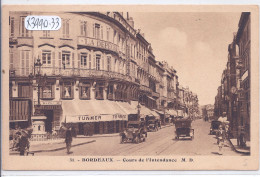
[98, 43]
[94, 118]
[119, 116]
[97, 118]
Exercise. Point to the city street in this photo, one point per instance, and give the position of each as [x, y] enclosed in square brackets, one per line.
[161, 143]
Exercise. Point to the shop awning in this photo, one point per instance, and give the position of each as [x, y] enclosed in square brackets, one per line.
[128, 108]
[144, 111]
[160, 112]
[19, 110]
[92, 111]
[39, 117]
[155, 114]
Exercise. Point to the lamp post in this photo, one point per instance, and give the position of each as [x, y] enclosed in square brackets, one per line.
[41, 80]
[37, 67]
[139, 107]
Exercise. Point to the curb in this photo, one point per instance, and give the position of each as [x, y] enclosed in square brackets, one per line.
[233, 148]
[61, 148]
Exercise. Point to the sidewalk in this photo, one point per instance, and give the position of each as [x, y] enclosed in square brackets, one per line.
[59, 144]
[58, 141]
[55, 145]
[245, 150]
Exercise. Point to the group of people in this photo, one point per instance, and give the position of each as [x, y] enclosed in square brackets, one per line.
[20, 140]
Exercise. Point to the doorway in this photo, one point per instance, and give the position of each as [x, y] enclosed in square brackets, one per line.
[49, 120]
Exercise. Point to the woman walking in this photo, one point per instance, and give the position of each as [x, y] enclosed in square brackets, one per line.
[221, 138]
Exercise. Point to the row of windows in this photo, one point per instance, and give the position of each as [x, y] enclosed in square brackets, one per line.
[66, 59]
[67, 92]
[97, 33]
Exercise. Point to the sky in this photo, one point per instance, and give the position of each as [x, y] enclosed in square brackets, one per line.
[195, 44]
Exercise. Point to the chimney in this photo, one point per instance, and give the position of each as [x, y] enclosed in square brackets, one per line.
[127, 15]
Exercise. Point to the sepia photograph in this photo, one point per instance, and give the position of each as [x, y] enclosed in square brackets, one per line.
[123, 86]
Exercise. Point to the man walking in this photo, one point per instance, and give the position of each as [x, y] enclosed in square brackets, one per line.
[68, 139]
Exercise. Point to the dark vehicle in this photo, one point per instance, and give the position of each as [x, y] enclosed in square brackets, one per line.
[136, 132]
[183, 128]
[214, 127]
[152, 125]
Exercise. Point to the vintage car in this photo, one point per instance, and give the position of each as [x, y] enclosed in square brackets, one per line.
[214, 127]
[152, 124]
[183, 128]
[135, 131]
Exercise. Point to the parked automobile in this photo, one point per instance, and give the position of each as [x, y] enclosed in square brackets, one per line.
[152, 125]
[214, 127]
[135, 131]
[183, 128]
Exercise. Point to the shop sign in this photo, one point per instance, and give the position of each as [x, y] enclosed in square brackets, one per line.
[48, 102]
[96, 118]
[97, 43]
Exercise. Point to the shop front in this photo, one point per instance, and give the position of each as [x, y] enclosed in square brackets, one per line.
[90, 117]
[52, 111]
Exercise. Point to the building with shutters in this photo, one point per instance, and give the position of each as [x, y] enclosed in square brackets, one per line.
[95, 59]
[233, 95]
[95, 70]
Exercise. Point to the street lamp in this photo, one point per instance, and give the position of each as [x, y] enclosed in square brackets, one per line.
[139, 107]
[37, 67]
[41, 81]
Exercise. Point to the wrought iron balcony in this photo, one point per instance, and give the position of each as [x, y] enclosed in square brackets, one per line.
[70, 72]
[12, 40]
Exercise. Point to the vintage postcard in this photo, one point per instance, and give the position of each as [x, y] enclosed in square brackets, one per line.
[150, 87]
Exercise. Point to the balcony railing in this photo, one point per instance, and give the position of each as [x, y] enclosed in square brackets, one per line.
[70, 72]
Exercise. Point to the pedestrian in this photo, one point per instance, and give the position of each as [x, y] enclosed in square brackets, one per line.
[85, 128]
[221, 138]
[23, 144]
[68, 139]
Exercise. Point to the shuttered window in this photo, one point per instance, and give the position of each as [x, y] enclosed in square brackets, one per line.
[12, 27]
[24, 91]
[23, 31]
[25, 62]
[83, 28]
